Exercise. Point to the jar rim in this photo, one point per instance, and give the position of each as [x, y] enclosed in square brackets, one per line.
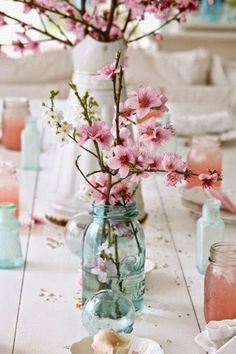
[223, 253]
[14, 102]
[114, 211]
[7, 206]
[210, 141]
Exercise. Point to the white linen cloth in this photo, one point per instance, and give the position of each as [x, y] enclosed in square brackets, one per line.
[191, 125]
[198, 195]
[219, 337]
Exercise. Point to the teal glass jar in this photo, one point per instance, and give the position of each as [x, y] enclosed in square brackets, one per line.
[10, 247]
[114, 253]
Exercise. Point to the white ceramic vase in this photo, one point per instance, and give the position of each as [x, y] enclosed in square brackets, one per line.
[88, 57]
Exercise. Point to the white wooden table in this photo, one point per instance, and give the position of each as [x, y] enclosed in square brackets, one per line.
[39, 311]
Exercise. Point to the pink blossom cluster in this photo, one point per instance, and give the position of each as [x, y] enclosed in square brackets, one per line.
[124, 161]
[95, 18]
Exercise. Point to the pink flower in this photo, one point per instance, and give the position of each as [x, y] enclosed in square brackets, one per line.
[172, 162]
[126, 113]
[172, 178]
[208, 179]
[153, 134]
[30, 44]
[125, 136]
[26, 9]
[107, 72]
[98, 131]
[145, 98]
[122, 193]
[115, 33]
[48, 3]
[98, 188]
[101, 264]
[188, 5]
[19, 46]
[158, 36]
[137, 8]
[123, 157]
[2, 21]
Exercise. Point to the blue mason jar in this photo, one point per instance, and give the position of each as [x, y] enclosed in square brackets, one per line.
[114, 253]
[10, 247]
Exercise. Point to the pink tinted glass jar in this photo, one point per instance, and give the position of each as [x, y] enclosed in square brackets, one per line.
[9, 185]
[205, 154]
[220, 283]
[15, 111]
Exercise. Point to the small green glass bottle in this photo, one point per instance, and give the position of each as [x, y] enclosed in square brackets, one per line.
[210, 229]
[10, 247]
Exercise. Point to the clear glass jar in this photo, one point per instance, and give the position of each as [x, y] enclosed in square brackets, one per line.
[15, 111]
[108, 309]
[114, 253]
[220, 283]
[10, 247]
[9, 185]
[205, 154]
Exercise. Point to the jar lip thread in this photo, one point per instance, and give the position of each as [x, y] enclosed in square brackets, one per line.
[7, 206]
[223, 253]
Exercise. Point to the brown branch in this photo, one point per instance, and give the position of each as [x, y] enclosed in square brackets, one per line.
[175, 17]
[30, 27]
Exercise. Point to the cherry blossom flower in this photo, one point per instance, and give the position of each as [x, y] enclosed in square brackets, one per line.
[153, 134]
[26, 8]
[101, 270]
[52, 118]
[98, 131]
[122, 193]
[19, 46]
[137, 8]
[172, 178]
[63, 131]
[144, 99]
[187, 5]
[107, 72]
[30, 44]
[48, 3]
[100, 182]
[173, 162]
[208, 179]
[123, 157]
[125, 136]
[126, 113]
[158, 36]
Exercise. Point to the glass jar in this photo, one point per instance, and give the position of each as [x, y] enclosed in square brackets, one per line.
[205, 154]
[114, 253]
[9, 185]
[15, 111]
[108, 309]
[10, 247]
[220, 283]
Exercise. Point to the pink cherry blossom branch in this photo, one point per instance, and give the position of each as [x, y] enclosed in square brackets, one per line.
[30, 27]
[86, 179]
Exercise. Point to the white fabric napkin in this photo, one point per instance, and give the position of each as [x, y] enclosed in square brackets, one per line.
[191, 125]
[219, 337]
[198, 195]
